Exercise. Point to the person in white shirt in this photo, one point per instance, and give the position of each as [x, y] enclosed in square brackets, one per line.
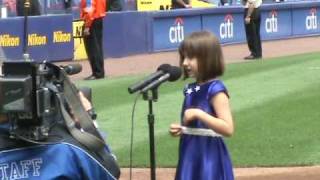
[252, 20]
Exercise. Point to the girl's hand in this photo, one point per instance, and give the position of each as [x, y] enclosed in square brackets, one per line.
[190, 115]
[175, 129]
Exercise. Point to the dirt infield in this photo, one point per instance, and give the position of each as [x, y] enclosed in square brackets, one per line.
[275, 173]
[233, 54]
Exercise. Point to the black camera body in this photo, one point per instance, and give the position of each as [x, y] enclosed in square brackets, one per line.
[37, 96]
[27, 97]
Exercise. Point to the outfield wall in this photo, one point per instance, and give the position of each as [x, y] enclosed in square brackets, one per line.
[278, 22]
[131, 32]
[148, 32]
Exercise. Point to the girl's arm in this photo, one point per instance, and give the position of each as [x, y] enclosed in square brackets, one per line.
[222, 124]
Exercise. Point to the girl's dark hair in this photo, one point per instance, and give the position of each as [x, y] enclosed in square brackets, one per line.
[206, 48]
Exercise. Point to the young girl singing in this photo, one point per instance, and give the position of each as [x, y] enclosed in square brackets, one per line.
[206, 116]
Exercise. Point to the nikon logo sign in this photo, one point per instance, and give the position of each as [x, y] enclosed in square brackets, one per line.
[36, 40]
[61, 37]
[6, 40]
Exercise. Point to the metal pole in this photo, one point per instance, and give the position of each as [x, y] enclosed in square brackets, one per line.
[150, 98]
[26, 9]
[151, 139]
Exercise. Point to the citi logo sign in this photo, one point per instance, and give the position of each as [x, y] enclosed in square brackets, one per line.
[271, 23]
[176, 32]
[226, 28]
[311, 21]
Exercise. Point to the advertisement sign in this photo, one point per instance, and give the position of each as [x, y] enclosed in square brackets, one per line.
[228, 27]
[38, 38]
[49, 38]
[79, 50]
[306, 21]
[169, 32]
[60, 37]
[276, 24]
[202, 4]
[11, 41]
[153, 5]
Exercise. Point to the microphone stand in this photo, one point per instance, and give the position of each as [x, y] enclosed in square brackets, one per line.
[26, 8]
[151, 99]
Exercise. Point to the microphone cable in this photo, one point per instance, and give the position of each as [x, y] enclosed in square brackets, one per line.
[131, 136]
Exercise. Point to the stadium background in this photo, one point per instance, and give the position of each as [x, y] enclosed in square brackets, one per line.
[132, 32]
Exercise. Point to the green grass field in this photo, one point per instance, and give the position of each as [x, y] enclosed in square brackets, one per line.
[275, 103]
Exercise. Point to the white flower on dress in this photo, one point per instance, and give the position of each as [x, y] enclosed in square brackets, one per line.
[197, 88]
[189, 91]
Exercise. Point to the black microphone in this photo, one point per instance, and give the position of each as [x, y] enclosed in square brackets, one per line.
[172, 74]
[161, 70]
[71, 69]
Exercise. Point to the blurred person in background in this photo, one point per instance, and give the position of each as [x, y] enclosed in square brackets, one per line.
[114, 5]
[252, 20]
[67, 5]
[92, 13]
[10, 5]
[34, 9]
[225, 2]
[177, 4]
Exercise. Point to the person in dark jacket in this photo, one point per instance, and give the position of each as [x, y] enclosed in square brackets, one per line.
[252, 21]
[60, 156]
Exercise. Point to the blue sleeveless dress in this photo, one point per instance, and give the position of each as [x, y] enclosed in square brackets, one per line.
[203, 157]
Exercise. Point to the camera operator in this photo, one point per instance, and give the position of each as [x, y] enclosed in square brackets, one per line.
[60, 156]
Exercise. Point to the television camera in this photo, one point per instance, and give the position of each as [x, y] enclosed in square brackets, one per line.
[30, 95]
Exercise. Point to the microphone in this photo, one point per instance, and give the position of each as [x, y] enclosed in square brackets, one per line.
[173, 74]
[72, 69]
[161, 70]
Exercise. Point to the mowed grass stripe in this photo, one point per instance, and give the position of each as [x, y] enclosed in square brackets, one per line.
[253, 89]
[279, 133]
[251, 67]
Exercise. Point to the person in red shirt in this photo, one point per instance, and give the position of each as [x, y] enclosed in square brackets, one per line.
[92, 13]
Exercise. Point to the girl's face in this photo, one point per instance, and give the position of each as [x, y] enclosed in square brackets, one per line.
[190, 66]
